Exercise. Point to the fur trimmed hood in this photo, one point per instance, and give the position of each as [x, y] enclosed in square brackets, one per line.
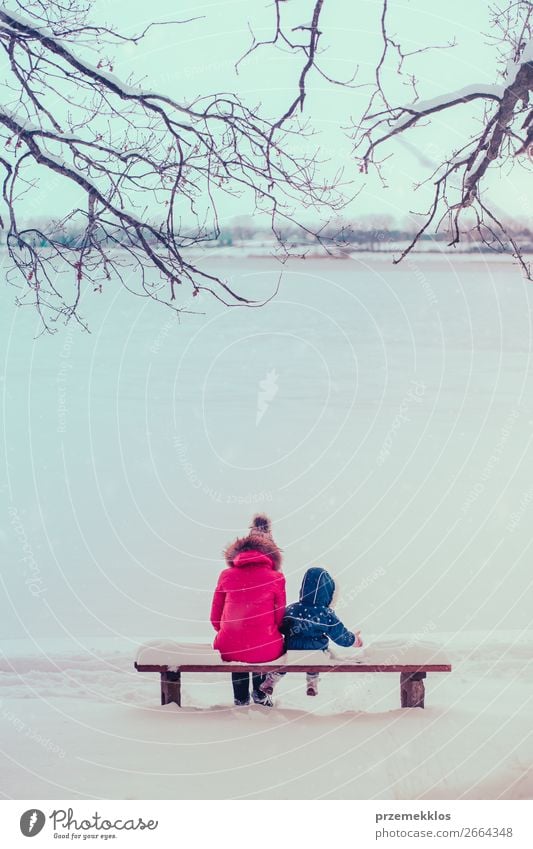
[258, 540]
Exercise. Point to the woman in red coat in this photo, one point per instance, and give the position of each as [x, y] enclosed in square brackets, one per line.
[248, 607]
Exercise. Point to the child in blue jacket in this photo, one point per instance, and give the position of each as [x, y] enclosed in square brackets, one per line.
[310, 623]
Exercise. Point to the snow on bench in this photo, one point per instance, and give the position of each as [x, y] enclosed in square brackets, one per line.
[413, 660]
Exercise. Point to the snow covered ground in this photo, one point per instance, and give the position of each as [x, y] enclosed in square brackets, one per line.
[383, 416]
[85, 724]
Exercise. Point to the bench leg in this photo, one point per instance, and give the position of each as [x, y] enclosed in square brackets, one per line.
[412, 689]
[171, 688]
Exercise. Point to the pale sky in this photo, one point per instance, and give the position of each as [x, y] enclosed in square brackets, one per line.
[198, 58]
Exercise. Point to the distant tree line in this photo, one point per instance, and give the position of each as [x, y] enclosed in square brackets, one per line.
[370, 233]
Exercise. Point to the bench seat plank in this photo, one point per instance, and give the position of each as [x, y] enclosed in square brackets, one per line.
[411, 660]
[264, 668]
[380, 656]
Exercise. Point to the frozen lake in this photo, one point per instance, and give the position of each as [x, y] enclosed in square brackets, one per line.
[382, 415]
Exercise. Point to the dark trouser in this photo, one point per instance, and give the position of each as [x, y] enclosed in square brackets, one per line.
[241, 684]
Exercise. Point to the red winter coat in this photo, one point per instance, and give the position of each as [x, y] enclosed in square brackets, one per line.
[249, 604]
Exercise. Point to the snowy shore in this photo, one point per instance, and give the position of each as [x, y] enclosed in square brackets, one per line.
[84, 724]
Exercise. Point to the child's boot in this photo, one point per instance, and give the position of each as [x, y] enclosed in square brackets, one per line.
[271, 679]
[312, 684]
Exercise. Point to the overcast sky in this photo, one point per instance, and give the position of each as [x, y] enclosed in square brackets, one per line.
[198, 58]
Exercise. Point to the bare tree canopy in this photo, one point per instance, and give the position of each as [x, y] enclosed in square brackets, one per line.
[505, 134]
[149, 168]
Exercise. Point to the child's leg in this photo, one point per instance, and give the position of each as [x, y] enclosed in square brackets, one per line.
[312, 683]
[271, 679]
[241, 687]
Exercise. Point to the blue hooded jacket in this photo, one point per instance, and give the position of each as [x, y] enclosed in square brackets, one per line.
[310, 623]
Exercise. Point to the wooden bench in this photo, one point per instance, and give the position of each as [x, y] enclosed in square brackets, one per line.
[412, 661]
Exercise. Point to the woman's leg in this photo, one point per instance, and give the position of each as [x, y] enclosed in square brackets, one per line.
[241, 687]
[257, 680]
[258, 695]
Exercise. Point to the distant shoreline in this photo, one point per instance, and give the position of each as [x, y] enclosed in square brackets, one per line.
[304, 252]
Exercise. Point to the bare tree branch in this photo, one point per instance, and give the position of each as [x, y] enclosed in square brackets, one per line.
[506, 129]
[148, 169]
